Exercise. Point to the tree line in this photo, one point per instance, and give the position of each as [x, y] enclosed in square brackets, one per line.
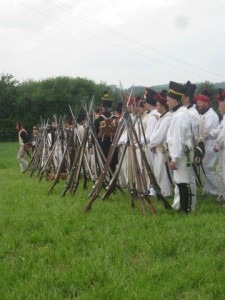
[30, 100]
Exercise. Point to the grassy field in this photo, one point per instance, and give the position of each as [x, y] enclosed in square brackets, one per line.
[50, 249]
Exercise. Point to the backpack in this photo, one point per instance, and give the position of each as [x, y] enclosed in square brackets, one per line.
[199, 152]
[199, 149]
[107, 128]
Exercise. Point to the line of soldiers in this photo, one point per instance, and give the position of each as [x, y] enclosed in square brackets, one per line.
[184, 141]
[179, 132]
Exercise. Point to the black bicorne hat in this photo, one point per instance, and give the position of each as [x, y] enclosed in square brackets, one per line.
[162, 98]
[221, 95]
[151, 97]
[106, 101]
[141, 104]
[176, 90]
[206, 93]
[190, 90]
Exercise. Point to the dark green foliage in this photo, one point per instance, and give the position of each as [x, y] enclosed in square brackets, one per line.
[53, 97]
[31, 100]
[207, 86]
[8, 98]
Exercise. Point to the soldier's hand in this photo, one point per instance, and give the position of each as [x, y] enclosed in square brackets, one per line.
[215, 149]
[173, 165]
[26, 147]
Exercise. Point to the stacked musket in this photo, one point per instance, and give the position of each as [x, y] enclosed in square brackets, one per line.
[63, 151]
[137, 182]
[41, 150]
[75, 151]
[83, 154]
[56, 141]
[49, 149]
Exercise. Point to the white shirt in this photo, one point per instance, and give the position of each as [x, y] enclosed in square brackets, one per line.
[211, 121]
[219, 134]
[158, 136]
[152, 119]
[179, 133]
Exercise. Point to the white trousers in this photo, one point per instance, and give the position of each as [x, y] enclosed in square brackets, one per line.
[209, 162]
[160, 173]
[123, 176]
[220, 173]
[21, 159]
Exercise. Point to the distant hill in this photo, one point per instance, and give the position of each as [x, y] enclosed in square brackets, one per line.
[138, 90]
[220, 85]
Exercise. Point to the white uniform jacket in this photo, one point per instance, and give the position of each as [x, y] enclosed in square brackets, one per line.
[179, 133]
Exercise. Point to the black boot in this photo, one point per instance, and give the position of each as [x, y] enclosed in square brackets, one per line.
[185, 197]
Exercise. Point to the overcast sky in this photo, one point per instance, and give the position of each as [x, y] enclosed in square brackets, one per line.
[141, 42]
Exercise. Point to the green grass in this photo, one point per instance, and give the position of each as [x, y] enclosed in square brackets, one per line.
[50, 249]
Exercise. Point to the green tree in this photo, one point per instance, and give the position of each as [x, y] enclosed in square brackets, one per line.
[8, 95]
[53, 96]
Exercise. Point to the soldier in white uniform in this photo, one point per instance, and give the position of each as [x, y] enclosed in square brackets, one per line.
[152, 119]
[142, 122]
[158, 146]
[188, 102]
[152, 115]
[24, 146]
[219, 148]
[211, 121]
[179, 140]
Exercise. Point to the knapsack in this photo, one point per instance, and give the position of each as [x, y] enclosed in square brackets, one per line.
[107, 128]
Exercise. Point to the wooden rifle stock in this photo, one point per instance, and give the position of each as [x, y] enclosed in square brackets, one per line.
[102, 176]
[153, 179]
[76, 161]
[50, 157]
[113, 182]
[56, 180]
[140, 179]
[148, 168]
[131, 185]
[79, 165]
